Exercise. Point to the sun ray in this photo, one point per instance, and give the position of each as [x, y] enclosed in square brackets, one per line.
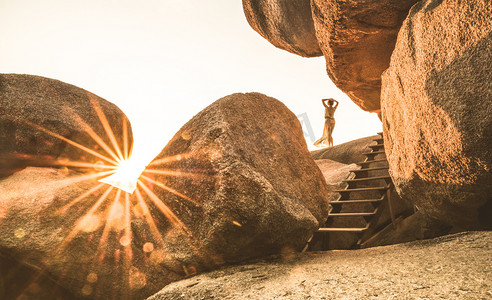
[70, 163]
[161, 185]
[24, 294]
[127, 244]
[175, 221]
[169, 159]
[171, 190]
[128, 231]
[72, 143]
[100, 200]
[148, 218]
[83, 177]
[110, 218]
[190, 239]
[81, 222]
[96, 137]
[49, 161]
[172, 173]
[65, 208]
[107, 127]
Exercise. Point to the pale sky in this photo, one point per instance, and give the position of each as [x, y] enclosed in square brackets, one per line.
[162, 61]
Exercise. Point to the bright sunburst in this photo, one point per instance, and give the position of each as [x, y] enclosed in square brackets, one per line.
[122, 193]
[126, 176]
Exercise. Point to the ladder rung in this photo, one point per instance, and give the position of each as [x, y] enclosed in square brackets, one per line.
[380, 133]
[353, 214]
[368, 179]
[355, 201]
[369, 169]
[374, 153]
[326, 229]
[372, 161]
[377, 188]
[379, 139]
[376, 146]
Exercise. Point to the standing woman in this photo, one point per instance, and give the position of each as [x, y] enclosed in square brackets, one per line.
[327, 139]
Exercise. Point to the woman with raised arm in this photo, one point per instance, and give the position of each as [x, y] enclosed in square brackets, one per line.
[330, 108]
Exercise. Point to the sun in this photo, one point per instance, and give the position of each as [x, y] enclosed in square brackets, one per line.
[126, 176]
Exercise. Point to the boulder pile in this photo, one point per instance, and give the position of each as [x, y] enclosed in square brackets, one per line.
[355, 37]
[427, 65]
[236, 182]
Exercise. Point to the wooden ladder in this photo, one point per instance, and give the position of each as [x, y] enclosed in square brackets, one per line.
[375, 193]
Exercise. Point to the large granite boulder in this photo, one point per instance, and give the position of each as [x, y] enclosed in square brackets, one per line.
[30, 106]
[437, 118]
[287, 24]
[256, 189]
[357, 39]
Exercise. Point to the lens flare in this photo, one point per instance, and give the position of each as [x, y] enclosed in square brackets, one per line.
[105, 214]
[126, 176]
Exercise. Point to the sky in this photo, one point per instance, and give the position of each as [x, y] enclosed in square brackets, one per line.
[163, 61]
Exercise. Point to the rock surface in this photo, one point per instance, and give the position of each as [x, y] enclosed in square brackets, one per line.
[437, 108]
[18, 281]
[29, 102]
[84, 248]
[451, 267]
[263, 193]
[335, 173]
[357, 39]
[287, 24]
[347, 153]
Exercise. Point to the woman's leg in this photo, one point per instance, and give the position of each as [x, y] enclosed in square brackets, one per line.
[331, 126]
[324, 137]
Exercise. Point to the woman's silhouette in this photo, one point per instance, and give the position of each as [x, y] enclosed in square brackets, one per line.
[327, 139]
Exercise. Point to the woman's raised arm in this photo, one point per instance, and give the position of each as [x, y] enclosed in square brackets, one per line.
[324, 102]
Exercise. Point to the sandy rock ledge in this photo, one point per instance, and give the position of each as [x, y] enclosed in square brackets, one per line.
[450, 267]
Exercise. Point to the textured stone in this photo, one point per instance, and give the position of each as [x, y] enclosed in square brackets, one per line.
[18, 281]
[455, 266]
[38, 231]
[263, 193]
[347, 153]
[28, 102]
[437, 108]
[287, 24]
[335, 174]
[357, 39]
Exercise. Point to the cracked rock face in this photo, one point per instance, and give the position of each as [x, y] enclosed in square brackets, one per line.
[357, 39]
[287, 24]
[436, 101]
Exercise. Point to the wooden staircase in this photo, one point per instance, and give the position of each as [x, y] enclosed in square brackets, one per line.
[362, 201]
